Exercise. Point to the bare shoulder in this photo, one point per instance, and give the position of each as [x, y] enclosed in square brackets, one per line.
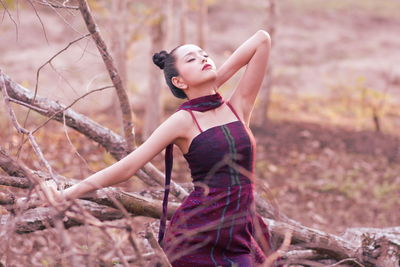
[181, 121]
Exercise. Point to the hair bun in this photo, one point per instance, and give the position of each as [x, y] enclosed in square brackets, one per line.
[159, 59]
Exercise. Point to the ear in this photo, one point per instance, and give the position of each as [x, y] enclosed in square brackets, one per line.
[178, 82]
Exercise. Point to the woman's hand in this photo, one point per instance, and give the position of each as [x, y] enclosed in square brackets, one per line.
[46, 195]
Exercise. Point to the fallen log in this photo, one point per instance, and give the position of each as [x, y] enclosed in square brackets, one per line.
[41, 218]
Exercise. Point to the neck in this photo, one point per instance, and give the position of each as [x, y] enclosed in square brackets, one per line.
[201, 90]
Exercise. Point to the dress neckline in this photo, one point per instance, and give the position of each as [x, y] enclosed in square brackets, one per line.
[213, 127]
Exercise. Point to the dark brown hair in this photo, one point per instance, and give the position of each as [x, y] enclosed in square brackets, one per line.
[167, 62]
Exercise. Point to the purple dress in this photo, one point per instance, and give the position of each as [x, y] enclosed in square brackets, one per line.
[217, 225]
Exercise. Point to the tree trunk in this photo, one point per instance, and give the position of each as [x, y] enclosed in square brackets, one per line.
[153, 108]
[169, 29]
[118, 23]
[202, 25]
[182, 22]
[266, 87]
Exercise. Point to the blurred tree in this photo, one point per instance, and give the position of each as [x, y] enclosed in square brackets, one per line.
[9, 4]
[169, 16]
[153, 110]
[182, 21]
[271, 14]
[119, 43]
[202, 24]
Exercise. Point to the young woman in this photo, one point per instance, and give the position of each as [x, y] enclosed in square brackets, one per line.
[217, 224]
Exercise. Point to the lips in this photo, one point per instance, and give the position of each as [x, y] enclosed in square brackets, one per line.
[206, 66]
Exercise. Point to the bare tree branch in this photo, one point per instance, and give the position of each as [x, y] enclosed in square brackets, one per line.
[112, 70]
[40, 20]
[323, 243]
[112, 142]
[22, 130]
[39, 218]
[63, 6]
[12, 19]
[13, 181]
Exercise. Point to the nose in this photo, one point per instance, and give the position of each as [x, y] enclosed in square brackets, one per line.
[204, 59]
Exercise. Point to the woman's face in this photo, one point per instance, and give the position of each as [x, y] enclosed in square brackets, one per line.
[194, 65]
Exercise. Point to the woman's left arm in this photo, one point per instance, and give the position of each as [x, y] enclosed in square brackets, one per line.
[254, 53]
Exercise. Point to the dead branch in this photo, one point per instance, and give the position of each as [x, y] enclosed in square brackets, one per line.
[379, 252]
[53, 57]
[22, 130]
[313, 239]
[40, 20]
[156, 247]
[11, 166]
[112, 142]
[6, 199]
[39, 218]
[13, 181]
[131, 202]
[322, 243]
[113, 72]
[63, 6]
[12, 19]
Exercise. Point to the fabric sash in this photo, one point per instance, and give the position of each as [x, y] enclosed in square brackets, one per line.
[201, 104]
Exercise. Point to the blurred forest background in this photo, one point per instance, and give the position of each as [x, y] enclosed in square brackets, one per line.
[327, 122]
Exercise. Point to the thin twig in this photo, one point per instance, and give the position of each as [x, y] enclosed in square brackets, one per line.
[352, 260]
[12, 19]
[73, 146]
[49, 61]
[47, 3]
[22, 130]
[41, 22]
[113, 73]
[69, 106]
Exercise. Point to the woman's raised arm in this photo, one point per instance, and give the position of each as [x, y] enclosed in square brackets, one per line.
[254, 53]
[122, 170]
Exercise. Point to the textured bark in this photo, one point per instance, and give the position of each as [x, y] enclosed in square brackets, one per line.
[41, 217]
[6, 199]
[15, 181]
[372, 251]
[133, 203]
[322, 242]
[112, 71]
[11, 166]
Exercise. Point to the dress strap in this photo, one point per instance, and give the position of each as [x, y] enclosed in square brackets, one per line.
[194, 118]
[233, 110]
